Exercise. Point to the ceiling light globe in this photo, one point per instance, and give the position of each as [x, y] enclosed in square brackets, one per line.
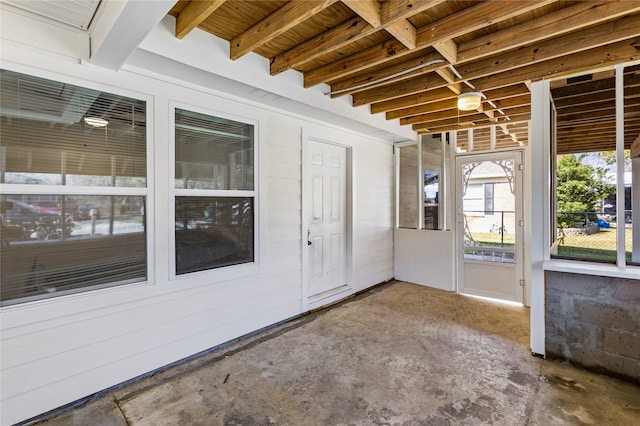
[469, 101]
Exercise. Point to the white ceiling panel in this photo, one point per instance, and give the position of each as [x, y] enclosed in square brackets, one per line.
[76, 13]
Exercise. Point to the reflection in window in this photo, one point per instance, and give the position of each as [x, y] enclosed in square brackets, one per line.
[212, 152]
[57, 244]
[54, 133]
[214, 192]
[212, 232]
[47, 138]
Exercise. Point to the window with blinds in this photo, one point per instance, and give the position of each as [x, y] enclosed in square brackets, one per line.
[214, 192]
[73, 169]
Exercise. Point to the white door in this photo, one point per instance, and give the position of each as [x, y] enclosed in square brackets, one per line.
[490, 225]
[326, 195]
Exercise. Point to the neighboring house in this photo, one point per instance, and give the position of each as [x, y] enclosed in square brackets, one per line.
[227, 200]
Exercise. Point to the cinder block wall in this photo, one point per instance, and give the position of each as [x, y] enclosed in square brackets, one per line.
[594, 322]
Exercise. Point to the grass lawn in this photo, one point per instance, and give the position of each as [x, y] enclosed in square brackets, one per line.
[599, 246]
[494, 239]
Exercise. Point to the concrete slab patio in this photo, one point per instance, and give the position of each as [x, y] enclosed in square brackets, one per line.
[399, 354]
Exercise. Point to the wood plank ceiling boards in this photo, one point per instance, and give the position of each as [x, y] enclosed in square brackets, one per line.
[410, 58]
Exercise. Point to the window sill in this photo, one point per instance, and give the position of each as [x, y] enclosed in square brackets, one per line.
[588, 268]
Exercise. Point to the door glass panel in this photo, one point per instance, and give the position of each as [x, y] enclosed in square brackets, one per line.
[489, 211]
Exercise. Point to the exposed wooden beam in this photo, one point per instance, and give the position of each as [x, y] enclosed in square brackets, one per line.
[421, 98]
[369, 10]
[511, 40]
[448, 49]
[454, 114]
[400, 89]
[511, 113]
[347, 32]
[452, 111]
[424, 104]
[448, 76]
[600, 57]
[404, 32]
[391, 74]
[578, 41]
[286, 17]
[470, 19]
[474, 18]
[193, 14]
[569, 19]
[508, 69]
[391, 11]
[339, 36]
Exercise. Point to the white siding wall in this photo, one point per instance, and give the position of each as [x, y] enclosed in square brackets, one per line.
[374, 209]
[58, 350]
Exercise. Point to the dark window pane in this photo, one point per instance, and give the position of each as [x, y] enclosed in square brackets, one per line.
[212, 232]
[95, 245]
[488, 198]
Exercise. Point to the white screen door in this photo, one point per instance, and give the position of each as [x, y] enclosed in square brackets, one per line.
[489, 219]
[326, 218]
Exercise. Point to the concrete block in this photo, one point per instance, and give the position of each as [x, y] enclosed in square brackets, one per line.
[553, 303]
[627, 290]
[622, 343]
[604, 315]
[555, 325]
[584, 334]
[575, 284]
[599, 361]
[555, 349]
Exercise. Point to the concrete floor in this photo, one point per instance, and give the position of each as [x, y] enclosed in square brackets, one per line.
[400, 354]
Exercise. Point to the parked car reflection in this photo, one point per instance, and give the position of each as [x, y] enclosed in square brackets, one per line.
[26, 216]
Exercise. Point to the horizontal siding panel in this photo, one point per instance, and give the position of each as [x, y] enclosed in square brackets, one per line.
[283, 217]
[284, 170]
[286, 186]
[279, 202]
[280, 263]
[159, 333]
[49, 396]
[276, 249]
[26, 348]
[283, 233]
[284, 154]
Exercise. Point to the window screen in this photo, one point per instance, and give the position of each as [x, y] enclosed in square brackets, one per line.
[214, 192]
[57, 135]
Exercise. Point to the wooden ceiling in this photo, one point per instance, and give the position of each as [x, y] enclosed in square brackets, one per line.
[409, 59]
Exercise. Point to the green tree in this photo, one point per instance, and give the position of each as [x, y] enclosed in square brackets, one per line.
[579, 187]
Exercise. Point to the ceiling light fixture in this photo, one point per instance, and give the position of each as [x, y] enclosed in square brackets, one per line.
[96, 121]
[469, 101]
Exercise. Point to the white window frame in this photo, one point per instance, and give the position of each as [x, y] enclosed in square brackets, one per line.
[223, 273]
[59, 190]
[443, 209]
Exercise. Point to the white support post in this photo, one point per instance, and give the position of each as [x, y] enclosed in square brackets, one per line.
[635, 209]
[539, 141]
[420, 185]
[620, 190]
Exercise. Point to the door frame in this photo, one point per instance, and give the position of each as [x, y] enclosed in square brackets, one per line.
[346, 290]
[520, 191]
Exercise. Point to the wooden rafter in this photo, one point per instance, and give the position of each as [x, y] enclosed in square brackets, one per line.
[285, 18]
[193, 15]
[410, 58]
